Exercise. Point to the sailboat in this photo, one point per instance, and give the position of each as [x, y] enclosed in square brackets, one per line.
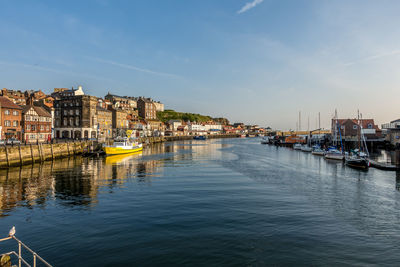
[316, 149]
[359, 159]
[333, 152]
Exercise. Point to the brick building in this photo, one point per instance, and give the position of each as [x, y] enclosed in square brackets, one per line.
[349, 129]
[10, 119]
[75, 116]
[104, 123]
[36, 124]
[147, 109]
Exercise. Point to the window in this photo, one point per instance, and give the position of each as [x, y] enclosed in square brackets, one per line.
[15, 123]
[65, 122]
[15, 113]
[77, 112]
[71, 121]
[57, 122]
[33, 136]
[71, 104]
[7, 123]
[355, 127]
[27, 117]
[77, 121]
[342, 127]
[7, 112]
[41, 127]
[65, 112]
[48, 128]
[369, 125]
[33, 127]
[57, 112]
[28, 127]
[71, 112]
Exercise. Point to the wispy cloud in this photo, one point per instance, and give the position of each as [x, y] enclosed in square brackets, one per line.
[135, 68]
[374, 57]
[249, 6]
[40, 68]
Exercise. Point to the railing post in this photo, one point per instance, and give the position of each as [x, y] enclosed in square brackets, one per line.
[34, 259]
[19, 254]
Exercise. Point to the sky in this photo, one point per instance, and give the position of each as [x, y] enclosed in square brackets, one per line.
[252, 61]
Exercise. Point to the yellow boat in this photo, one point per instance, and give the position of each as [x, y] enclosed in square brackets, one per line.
[122, 147]
[122, 158]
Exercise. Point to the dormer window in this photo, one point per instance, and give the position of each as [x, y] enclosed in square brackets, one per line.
[355, 127]
[369, 125]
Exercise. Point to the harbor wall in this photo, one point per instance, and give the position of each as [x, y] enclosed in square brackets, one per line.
[19, 155]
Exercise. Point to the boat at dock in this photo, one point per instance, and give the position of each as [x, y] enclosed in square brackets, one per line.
[265, 140]
[384, 166]
[200, 137]
[122, 146]
[317, 150]
[306, 148]
[357, 162]
[297, 146]
[334, 153]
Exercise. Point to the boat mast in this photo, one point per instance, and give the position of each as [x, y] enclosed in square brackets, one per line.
[359, 131]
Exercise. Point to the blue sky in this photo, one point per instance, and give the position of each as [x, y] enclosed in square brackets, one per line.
[248, 60]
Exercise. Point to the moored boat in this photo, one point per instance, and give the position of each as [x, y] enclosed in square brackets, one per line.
[357, 162]
[305, 148]
[297, 146]
[265, 140]
[200, 137]
[122, 146]
[317, 150]
[335, 154]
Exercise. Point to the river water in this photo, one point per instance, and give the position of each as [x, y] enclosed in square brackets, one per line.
[219, 202]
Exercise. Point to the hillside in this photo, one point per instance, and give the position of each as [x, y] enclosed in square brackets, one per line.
[170, 114]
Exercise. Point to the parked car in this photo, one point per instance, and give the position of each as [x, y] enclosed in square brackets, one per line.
[13, 141]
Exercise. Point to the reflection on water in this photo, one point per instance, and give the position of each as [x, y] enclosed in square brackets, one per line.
[243, 203]
[76, 181]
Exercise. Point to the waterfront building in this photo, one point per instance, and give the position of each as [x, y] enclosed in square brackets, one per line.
[147, 109]
[196, 129]
[11, 115]
[36, 124]
[75, 115]
[349, 129]
[120, 122]
[392, 130]
[104, 123]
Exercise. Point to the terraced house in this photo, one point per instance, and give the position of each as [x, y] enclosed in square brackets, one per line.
[10, 119]
[36, 124]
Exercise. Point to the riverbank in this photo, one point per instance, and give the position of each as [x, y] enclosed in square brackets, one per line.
[19, 155]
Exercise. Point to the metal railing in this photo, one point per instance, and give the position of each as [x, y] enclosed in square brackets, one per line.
[21, 260]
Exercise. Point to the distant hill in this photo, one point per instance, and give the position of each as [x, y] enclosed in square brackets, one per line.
[170, 114]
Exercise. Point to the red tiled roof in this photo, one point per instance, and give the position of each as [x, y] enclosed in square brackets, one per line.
[7, 103]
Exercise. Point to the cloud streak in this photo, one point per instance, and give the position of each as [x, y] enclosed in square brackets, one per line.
[249, 6]
[374, 57]
[131, 67]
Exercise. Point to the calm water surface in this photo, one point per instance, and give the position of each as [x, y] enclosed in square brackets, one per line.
[208, 203]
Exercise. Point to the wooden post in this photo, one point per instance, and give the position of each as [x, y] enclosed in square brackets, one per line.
[52, 154]
[20, 155]
[40, 152]
[8, 161]
[33, 158]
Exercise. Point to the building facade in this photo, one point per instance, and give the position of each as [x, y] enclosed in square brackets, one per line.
[147, 109]
[36, 124]
[11, 116]
[104, 123]
[75, 116]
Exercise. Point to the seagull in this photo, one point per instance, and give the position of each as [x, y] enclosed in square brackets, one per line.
[12, 232]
